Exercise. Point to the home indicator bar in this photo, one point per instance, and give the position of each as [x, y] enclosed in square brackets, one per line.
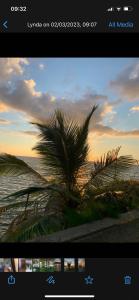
[70, 296]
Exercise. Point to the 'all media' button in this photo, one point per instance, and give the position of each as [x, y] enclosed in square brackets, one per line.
[118, 24]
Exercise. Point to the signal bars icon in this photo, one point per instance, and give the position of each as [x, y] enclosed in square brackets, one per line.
[118, 8]
[110, 9]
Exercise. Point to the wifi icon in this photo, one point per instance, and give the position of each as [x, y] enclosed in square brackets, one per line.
[51, 280]
[118, 8]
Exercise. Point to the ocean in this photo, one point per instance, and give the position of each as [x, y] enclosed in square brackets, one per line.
[11, 184]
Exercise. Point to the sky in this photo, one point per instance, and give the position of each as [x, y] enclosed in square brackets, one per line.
[32, 88]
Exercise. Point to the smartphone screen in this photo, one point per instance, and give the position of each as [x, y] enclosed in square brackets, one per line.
[69, 150]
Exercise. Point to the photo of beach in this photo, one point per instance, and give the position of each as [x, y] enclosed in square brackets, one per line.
[69, 152]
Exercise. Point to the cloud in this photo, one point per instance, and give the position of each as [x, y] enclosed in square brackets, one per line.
[41, 66]
[108, 112]
[29, 132]
[11, 66]
[38, 106]
[5, 122]
[3, 107]
[108, 108]
[134, 108]
[106, 130]
[127, 82]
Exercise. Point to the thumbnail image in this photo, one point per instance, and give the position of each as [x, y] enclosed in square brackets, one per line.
[57, 264]
[22, 264]
[28, 265]
[1, 264]
[53, 264]
[36, 265]
[81, 264]
[6, 265]
[69, 150]
[69, 264]
[16, 264]
[25, 264]
[43, 265]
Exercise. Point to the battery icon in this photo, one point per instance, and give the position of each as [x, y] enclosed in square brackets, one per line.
[127, 8]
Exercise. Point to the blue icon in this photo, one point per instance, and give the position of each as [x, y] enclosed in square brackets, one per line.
[5, 24]
[51, 280]
[88, 280]
[11, 280]
[127, 280]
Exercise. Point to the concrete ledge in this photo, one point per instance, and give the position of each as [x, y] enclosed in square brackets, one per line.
[74, 233]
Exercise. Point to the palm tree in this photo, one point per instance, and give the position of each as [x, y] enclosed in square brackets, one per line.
[63, 150]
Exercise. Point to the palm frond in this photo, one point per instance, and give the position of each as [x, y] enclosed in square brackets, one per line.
[19, 204]
[110, 167]
[13, 166]
[38, 191]
[25, 202]
[31, 190]
[31, 228]
[83, 130]
[63, 146]
[81, 144]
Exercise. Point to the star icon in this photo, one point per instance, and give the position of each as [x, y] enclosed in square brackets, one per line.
[89, 280]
